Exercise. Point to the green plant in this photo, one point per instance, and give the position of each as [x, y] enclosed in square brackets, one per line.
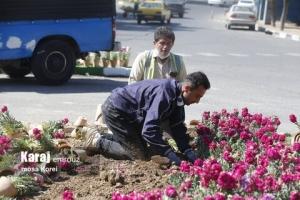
[25, 185]
[7, 161]
[10, 126]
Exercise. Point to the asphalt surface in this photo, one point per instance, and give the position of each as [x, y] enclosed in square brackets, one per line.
[246, 69]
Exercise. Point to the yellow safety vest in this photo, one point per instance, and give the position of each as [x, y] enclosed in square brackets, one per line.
[149, 70]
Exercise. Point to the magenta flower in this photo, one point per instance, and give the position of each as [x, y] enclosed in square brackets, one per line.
[295, 195]
[171, 191]
[209, 198]
[273, 154]
[226, 181]
[59, 134]
[296, 147]
[4, 144]
[65, 121]
[64, 164]
[68, 194]
[220, 196]
[4, 109]
[237, 197]
[37, 134]
[293, 118]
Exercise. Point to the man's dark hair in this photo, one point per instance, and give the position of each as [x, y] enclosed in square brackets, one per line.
[197, 79]
[164, 32]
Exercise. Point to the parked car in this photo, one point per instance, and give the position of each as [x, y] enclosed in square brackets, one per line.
[221, 2]
[153, 11]
[248, 3]
[240, 16]
[176, 7]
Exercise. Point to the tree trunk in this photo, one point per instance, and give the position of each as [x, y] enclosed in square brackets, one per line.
[273, 12]
[284, 14]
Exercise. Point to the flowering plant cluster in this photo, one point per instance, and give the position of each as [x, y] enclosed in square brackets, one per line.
[15, 138]
[241, 157]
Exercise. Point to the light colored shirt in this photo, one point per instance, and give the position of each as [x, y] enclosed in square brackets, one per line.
[162, 70]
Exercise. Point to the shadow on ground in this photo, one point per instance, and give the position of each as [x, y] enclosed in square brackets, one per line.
[76, 84]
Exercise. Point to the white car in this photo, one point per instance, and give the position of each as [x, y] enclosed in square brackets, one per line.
[248, 3]
[240, 16]
[221, 2]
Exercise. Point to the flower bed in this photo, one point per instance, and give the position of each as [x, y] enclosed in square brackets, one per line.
[242, 157]
[31, 157]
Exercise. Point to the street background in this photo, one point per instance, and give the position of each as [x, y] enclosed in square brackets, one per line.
[246, 69]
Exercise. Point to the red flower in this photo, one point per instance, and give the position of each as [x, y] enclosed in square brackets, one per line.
[68, 194]
[171, 191]
[4, 109]
[293, 118]
[226, 181]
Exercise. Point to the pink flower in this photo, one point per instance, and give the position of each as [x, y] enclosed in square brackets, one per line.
[296, 147]
[4, 109]
[171, 191]
[37, 134]
[64, 164]
[220, 196]
[185, 166]
[209, 198]
[198, 162]
[65, 121]
[4, 144]
[68, 194]
[237, 197]
[245, 112]
[293, 118]
[226, 181]
[295, 195]
[59, 134]
[273, 154]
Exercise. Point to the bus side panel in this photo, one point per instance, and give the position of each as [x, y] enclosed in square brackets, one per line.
[19, 39]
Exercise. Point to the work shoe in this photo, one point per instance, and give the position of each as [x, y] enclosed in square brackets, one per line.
[91, 136]
[161, 161]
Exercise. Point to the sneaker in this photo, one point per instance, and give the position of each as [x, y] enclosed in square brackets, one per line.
[91, 136]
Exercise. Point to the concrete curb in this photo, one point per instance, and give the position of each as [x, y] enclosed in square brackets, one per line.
[279, 34]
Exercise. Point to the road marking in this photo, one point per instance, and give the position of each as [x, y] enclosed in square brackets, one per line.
[293, 54]
[208, 54]
[266, 54]
[68, 102]
[238, 55]
[184, 55]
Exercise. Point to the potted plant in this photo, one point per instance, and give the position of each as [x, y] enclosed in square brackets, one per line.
[105, 58]
[114, 58]
[124, 57]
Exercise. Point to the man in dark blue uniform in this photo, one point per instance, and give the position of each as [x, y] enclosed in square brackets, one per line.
[135, 114]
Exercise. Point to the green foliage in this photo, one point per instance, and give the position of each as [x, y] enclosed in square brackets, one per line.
[7, 161]
[9, 125]
[25, 144]
[25, 185]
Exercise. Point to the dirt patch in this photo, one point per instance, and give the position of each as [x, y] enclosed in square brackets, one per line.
[99, 177]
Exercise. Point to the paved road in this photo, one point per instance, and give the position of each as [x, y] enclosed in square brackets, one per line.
[246, 68]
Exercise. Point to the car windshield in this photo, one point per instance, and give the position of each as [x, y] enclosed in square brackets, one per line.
[151, 5]
[240, 8]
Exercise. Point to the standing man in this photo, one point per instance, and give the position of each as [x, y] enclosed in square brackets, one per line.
[136, 112]
[160, 62]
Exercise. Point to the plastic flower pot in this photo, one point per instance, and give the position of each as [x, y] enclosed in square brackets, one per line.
[105, 62]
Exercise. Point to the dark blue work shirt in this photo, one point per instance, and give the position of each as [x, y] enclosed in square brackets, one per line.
[150, 102]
